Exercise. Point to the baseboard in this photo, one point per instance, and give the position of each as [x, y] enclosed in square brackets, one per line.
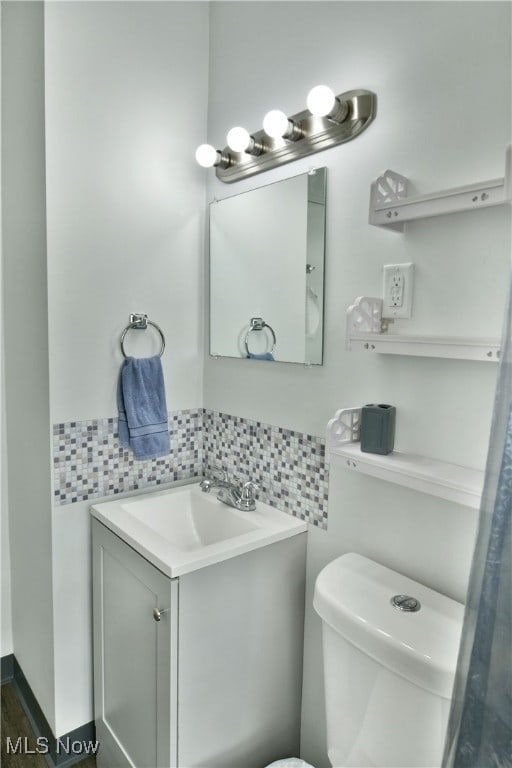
[61, 751]
[7, 668]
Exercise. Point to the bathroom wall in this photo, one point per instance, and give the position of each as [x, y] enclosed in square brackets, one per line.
[26, 344]
[6, 646]
[126, 94]
[125, 89]
[125, 106]
[5, 600]
[431, 65]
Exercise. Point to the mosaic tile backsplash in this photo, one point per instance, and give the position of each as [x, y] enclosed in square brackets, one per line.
[288, 466]
[89, 461]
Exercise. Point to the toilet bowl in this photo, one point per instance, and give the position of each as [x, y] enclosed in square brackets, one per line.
[388, 667]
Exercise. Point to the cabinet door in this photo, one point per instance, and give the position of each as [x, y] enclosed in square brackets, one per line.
[135, 658]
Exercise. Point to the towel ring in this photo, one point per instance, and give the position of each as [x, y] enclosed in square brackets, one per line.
[141, 322]
[258, 324]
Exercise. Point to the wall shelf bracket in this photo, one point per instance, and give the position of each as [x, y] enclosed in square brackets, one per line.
[391, 207]
[364, 316]
[343, 428]
[367, 333]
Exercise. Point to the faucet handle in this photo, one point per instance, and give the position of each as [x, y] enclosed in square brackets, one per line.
[217, 475]
[248, 489]
[217, 471]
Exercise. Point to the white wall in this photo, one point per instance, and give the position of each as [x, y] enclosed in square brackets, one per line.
[6, 645]
[5, 600]
[26, 345]
[434, 67]
[126, 95]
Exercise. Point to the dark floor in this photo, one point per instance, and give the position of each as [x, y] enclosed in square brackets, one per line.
[14, 725]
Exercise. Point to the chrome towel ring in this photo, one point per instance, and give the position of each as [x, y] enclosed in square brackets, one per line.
[258, 324]
[141, 322]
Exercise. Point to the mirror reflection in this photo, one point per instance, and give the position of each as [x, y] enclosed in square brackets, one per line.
[267, 272]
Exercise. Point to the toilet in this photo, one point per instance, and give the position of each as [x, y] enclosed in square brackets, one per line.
[390, 650]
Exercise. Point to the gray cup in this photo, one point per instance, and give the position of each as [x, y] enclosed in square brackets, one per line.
[378, 428]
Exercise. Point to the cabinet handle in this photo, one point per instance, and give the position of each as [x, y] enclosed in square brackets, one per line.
[157, 613]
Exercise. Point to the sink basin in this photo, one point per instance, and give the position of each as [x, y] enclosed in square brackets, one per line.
[182, 529]
[190, 520]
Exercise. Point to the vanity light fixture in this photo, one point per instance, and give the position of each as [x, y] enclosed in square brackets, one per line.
[328, 121]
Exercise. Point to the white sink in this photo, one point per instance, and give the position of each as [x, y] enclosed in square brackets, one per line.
[183, 529]
[190, 520]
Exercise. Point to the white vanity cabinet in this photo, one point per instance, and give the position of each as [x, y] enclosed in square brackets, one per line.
[134, 656]
[217, 681]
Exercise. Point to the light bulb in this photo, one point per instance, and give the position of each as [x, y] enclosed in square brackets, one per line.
[238, 139]
[207, 156]
[321, 100]
[276, 124]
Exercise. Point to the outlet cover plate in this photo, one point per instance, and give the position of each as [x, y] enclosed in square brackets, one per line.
[397, 290]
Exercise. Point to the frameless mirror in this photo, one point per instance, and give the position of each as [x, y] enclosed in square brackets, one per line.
[267, 272]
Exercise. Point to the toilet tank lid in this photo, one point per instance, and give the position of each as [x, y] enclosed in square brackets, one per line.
[353, 595]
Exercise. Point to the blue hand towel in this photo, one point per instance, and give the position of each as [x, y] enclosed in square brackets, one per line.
[264, 356]
[142, 408]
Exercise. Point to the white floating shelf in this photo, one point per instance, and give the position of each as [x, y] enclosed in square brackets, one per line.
[363, 333]
[437, 478]
[457, 348]
[391, 207]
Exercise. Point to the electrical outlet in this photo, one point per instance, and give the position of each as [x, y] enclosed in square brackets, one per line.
[397, 290]
[396, 293]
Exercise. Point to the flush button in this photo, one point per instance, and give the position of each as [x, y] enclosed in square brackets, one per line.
[405, 603]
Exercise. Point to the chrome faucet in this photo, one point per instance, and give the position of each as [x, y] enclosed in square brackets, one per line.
[239, 497]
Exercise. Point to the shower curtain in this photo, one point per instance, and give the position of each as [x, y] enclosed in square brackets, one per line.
[480, 726]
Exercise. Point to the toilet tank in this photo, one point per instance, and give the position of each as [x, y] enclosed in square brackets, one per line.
[388, 671]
